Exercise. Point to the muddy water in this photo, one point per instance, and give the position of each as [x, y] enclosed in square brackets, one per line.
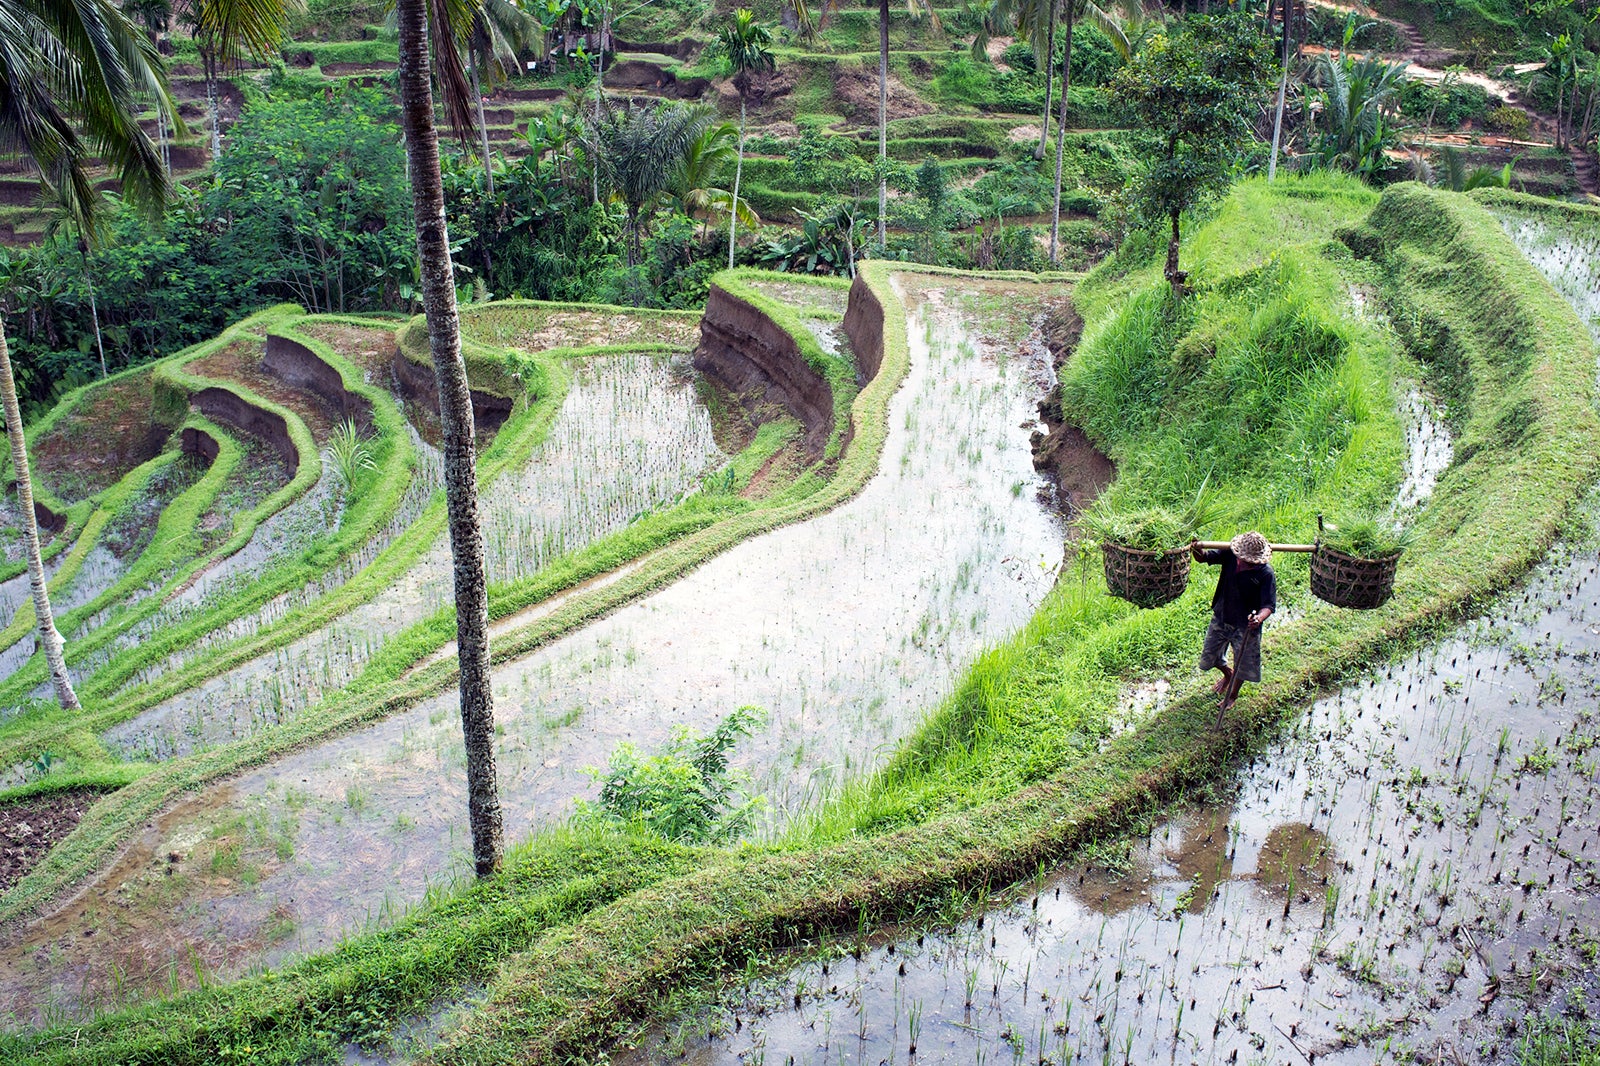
[1402, 878]
[1567, 254]
[845, 628]
[630, 436]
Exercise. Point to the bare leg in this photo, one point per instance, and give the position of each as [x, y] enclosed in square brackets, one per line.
[1221, 687]
[1232, 693]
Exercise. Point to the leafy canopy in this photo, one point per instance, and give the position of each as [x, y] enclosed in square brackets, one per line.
[1193, 93]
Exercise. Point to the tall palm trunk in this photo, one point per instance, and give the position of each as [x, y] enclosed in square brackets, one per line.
[1049, 80]
[483, 128]
[455, 416]
[49, 639]
[213, 107]
[1283, 91]
[94, 308]
[738, 172]
[883, 124]
[1061, 137]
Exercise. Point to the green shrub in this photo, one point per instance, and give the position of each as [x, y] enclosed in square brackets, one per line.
[1511, 121]
[685, 792]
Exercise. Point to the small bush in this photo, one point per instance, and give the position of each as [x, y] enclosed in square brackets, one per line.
[686, 791]
[1511, 121]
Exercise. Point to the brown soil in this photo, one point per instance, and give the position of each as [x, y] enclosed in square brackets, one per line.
[109, 434]
[857, 93]
[541, 330]
[240, 362]
[1080, 470]
[29, 829]
[768, 97]
[369, 347]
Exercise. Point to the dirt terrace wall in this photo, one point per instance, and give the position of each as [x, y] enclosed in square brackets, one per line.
[863, 325]
[304, 369]
[747, 353]
[196, 441]
[419, 386]
[223, 406]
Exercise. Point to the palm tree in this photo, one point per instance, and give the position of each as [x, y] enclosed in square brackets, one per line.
[1119, 40]
[499, 30]
[638, 149]
[224, 31]
[455, 399]
[71, 77]
[1360, 101]
[915, 7]
[747, 45]
[694, 183]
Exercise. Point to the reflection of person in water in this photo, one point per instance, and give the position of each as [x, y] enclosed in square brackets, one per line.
[1246, 596]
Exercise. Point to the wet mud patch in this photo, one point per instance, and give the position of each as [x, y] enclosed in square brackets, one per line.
[369, 347]
[1078, 470]
[240, 362]
[162, 922]
[260, 472]
[537, 329]
[31, 827]
[112, 430]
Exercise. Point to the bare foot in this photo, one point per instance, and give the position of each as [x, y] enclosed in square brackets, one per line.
[1222, 686]
[1225, 706]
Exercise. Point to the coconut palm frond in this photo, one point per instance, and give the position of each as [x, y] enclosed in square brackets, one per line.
[85, 61]
[242, 27]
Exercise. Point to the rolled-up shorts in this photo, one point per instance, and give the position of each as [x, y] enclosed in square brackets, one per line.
[1246, 645]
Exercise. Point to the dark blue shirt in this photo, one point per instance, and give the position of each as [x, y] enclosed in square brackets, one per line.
[1240, 593]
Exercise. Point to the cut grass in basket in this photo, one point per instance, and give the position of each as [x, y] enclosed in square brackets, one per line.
[1366, 537]
[1155, 528]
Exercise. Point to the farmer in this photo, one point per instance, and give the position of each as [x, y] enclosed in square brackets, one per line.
[1246, 596]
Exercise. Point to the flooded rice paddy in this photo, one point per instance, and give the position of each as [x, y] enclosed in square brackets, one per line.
[1408, 875]
[630, 436]
[845, 629]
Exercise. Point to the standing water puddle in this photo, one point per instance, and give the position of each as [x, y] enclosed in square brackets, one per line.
[1405, 877]
[630, 436]
[845, 628]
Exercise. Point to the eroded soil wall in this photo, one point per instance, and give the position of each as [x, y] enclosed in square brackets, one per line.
[863, 324]
[748, 354]
[418, 385]
[304, 369]
[224, 406]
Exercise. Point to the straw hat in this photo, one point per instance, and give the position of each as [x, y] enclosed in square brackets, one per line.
[1252, 548]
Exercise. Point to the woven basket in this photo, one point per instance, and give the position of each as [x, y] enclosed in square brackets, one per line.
[1145, 579]
[1346, 580]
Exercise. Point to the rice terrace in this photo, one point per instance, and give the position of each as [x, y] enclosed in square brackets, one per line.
[808, 534]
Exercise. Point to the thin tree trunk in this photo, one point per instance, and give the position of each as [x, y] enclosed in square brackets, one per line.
[599, 78]
[1049, 80]
[455, 416]
[214, 109]
[94, 315]
[1061, 136]
[49, 639]
[1175, 277]
[483, 128]
[883, 124]
[1283, 92]
[1588, 111]
[738, 172]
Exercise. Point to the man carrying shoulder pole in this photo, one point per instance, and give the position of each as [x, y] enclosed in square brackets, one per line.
[1246, 596]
